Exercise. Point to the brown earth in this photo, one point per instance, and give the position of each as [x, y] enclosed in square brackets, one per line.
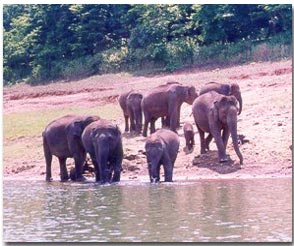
[265, 123]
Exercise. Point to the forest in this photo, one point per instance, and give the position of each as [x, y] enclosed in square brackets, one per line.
[45, 43]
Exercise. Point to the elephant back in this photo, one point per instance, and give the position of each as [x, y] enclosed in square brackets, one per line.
[220, 88]
[171, 140]
[122, 99]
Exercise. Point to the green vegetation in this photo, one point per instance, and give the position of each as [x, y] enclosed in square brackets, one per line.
[22, 130]
[31, 124]
[48, 42]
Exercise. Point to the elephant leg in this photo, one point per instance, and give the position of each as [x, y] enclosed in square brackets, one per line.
[178, 116]
[117, 164]
[192, 140]
[220, 145]
[79, 164]
[168, 169]
[225, 136]
[146, 122]
[152, 126]
[96, 167]
[174, 115]
[132, 121]
[63, 171]
[48, 159]
[138, 122]
[116, 173]
[202, 140]
[187, 143]
[126, 123]
[208, 140]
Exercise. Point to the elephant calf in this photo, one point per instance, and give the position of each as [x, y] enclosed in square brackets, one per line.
[103, 141]
[130, 102]
[162, 149]
[216, 114]
[62, 138]
[189, 135]
[224, 89]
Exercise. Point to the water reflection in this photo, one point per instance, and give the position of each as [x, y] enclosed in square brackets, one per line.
[225, 210]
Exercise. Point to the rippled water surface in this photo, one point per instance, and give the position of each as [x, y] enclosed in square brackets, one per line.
[227, 210]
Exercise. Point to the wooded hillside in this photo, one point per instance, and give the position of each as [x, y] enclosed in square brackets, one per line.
[49, 42]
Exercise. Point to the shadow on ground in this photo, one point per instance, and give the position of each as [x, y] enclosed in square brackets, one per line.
[210, 161]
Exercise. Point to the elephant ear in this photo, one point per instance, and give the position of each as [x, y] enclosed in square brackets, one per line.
[232, 100]
[235, 88]
[76, 128]
[218, 106]
[214, 111]
[191, 94]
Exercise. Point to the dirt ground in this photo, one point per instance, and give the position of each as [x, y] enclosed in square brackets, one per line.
[265, 122]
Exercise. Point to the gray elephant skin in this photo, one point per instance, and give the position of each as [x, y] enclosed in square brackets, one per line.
[166, 101]
[62, 138]
[224, 89]
[161, 149]
[216, 114]
[102, 140]
[189, 135]
[130, 102]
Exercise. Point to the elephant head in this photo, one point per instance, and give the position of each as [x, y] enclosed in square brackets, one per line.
[190, 94]
[107, 147]
[235, 91]
[77, 127]
[154, 151]
[225, 111]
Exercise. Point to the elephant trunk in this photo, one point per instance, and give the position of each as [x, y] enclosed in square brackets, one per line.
[239, 98]
[232, 124]
[138, 118]
[154, 172]
[102, 149]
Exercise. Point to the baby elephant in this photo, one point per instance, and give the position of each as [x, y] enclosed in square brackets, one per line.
[189, 135]
[162, 149]
[103, 141]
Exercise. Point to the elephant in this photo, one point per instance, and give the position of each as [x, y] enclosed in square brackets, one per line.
[103, 141]
[130, 102]
[161, 149]
[62, 138]
[134, 110]
[224, 89]
[166, 101]
[86, 167]
[189, 135]
[216, 114]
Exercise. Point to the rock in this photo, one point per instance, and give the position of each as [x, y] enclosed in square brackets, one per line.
[130, 157]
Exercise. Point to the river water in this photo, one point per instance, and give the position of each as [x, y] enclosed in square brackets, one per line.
[256, 210]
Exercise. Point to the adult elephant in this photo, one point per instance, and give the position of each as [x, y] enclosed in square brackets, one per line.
[62, 138]
[224, 89]
[103, 141]
[130, 103]
[161, 149]
[166, 101]
[216, 114]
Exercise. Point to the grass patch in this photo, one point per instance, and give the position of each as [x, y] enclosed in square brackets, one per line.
[31, 124]
[23, 131]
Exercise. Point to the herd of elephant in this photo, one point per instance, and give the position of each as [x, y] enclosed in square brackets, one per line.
[215, 112]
